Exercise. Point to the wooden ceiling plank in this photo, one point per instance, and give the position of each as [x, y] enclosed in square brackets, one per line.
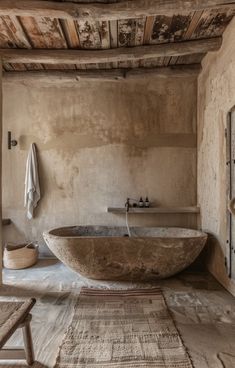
[129, 64]
[44, 32]
[8, 67]
[91, 66]
[148, 29]
[170, 29]
[173, 60]
[59, 67]
[213, 23]
[52, 32]
[193, 25]
[139, 32]
[12, 34]
[113, 29]
[97, 11]
[126, 32]
[81, 66]
[110, 74]
[161, 29]
[112, 55]
[33, 66]
[229, 16]
[18, 67]
[190, 59]
[89, 35]
[124, 64]
[70, 32]
[153, 63]
[166, 61]
[197, 17]
[103, 66]
[161, 61]
[179, 26]
[104, 31]
[203, 24]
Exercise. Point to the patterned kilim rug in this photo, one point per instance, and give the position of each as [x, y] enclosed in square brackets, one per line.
[122, 329]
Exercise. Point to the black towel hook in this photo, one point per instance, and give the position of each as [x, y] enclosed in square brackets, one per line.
[11, 142]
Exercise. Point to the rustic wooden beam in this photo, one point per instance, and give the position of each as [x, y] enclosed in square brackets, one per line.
[111, 55]
[12, 354]
[74, 76]
[112, 11]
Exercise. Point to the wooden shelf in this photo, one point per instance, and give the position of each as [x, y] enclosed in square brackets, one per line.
[154, 210]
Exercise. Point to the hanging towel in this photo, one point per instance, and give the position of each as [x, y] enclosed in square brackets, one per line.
[32, 187]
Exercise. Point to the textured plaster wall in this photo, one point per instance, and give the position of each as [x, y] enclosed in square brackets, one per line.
[216, 96]
[98, 143]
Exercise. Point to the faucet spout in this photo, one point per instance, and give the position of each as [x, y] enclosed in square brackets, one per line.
[127, 204]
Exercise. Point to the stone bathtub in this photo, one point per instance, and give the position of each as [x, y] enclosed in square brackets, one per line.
[107, 253]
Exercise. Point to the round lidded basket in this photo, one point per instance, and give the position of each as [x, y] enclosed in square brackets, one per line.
[20, 256]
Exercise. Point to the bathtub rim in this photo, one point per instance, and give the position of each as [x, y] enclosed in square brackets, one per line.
[201, 234]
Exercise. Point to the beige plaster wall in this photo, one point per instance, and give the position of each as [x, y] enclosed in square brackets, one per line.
[216, 96]
[98, 143]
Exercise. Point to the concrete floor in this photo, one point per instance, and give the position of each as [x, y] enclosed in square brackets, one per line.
[204, 312]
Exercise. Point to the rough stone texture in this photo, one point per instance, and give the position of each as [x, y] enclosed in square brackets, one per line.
[204, 312]
[107, 254]
[216, 91]
[100, 142]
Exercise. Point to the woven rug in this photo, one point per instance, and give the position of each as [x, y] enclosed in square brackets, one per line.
[122, 328]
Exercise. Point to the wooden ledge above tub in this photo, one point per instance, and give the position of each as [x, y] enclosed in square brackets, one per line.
[6, 222]
[156, 210]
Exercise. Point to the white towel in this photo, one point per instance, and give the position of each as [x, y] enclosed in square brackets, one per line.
[32, 187]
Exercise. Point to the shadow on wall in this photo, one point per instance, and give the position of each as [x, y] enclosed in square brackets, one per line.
[37, 210]
[215, 260]
[13, 233]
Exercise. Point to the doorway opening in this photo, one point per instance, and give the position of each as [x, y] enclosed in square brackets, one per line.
[230, 163]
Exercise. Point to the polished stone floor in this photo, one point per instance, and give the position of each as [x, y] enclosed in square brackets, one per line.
[204, 312]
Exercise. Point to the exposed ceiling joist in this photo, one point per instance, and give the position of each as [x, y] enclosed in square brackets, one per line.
[72, 76]
[112, 55]
[111, 11]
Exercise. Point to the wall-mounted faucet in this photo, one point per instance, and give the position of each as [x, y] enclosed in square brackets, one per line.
[128, 204]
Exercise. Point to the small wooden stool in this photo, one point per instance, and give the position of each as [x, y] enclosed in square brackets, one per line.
[14, 315]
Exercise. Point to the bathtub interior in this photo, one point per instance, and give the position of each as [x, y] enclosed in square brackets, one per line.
[109, 231]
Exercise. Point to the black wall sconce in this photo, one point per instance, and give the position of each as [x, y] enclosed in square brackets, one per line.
[11, 142]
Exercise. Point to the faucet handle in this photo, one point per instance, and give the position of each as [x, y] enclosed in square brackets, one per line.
[127, 202]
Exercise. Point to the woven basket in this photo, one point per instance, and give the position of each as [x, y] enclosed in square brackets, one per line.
[20, 256]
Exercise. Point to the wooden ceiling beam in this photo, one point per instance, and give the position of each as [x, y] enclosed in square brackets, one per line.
[74, 76]
[68, 56]
[111, 11]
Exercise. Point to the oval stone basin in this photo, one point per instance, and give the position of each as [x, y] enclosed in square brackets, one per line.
[107, 253]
